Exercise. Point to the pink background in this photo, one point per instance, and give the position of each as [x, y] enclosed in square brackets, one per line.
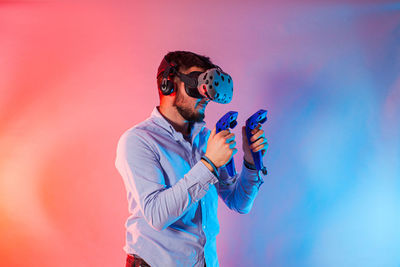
[74, 76]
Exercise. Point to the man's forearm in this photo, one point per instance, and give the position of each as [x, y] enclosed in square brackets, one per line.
[177, 198]
[241, 196]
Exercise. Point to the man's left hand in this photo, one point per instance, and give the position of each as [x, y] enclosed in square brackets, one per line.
[258, 143]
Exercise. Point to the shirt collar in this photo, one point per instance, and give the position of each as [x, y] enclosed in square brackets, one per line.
[161, 121]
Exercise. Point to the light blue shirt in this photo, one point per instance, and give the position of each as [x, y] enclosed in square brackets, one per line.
[173, 196]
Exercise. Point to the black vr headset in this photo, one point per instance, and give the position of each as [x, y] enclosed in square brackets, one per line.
[213, 84]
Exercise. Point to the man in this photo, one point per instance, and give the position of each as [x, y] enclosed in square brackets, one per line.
[172, 189]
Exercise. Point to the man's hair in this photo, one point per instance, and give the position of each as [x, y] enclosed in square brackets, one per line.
[184, 60]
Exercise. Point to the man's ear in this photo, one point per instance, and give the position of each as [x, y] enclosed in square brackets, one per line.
[175, 89]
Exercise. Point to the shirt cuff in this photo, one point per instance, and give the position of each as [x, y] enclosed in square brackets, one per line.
[225, 179]
[198, 180]
[252, 176]
[248, 165]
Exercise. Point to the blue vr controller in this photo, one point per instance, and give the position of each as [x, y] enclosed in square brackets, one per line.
[226, 122]
[251, 123]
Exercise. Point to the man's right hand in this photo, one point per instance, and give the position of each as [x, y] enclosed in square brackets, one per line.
[221, 147]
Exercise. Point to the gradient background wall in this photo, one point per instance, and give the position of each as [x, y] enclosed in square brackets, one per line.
[74, 76]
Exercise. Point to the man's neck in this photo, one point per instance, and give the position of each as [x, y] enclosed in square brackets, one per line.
[176, 120]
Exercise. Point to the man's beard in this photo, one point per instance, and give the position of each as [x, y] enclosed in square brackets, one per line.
[187, 113]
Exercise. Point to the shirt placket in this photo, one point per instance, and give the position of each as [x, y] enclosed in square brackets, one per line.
[190, 154]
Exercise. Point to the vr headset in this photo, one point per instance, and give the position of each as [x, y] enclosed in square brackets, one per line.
[213, 84]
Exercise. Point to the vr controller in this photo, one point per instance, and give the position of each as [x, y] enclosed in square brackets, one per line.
[251, 123]
[228, 121]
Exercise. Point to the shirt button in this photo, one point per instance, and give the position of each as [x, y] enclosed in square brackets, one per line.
[203, 202]
[204, 227]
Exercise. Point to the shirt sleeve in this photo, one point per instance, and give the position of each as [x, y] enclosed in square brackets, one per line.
[240, 191]
[140, 168]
